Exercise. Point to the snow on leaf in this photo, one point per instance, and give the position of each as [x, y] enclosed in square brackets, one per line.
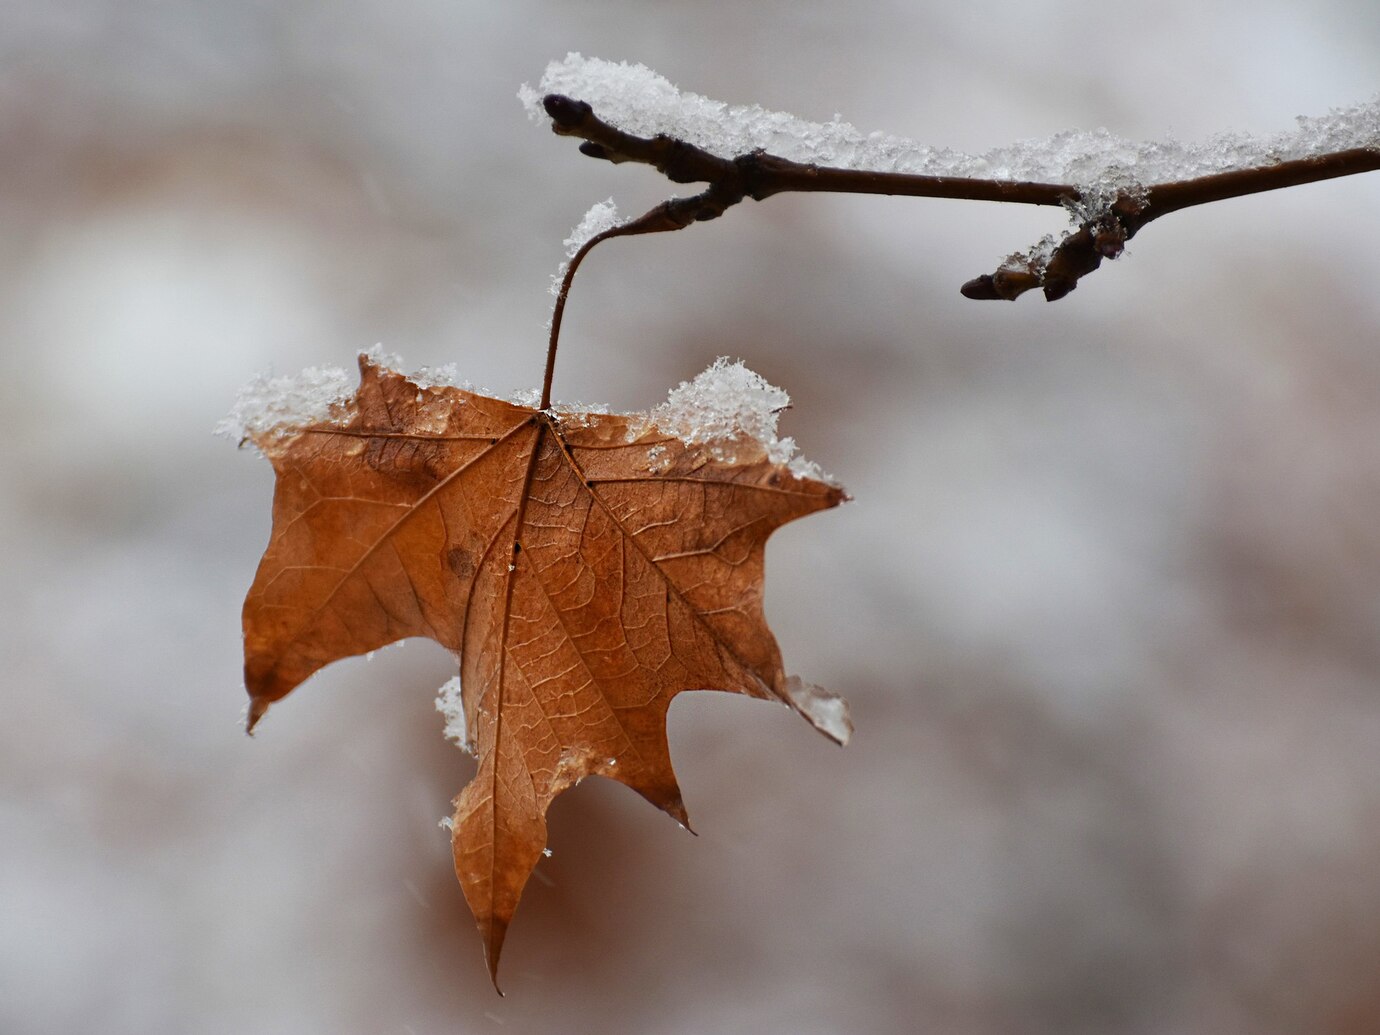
[723, 405]
[451, 705]
[268, 403]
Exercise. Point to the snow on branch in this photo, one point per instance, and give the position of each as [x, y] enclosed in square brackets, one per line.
[637, 100]
[1111, 187]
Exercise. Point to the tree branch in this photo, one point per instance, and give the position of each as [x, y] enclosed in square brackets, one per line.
[1056, 269]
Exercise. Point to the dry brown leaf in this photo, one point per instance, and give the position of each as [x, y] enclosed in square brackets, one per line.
[585, 569]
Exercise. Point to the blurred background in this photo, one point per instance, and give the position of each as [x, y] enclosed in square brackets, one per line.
[1107, 605]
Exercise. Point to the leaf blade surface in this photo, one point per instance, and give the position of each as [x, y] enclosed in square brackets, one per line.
[584, 568]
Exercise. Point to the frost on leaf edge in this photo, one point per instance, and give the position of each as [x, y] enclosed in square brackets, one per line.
[725, 401]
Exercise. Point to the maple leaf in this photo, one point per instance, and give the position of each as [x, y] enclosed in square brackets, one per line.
[585, 568]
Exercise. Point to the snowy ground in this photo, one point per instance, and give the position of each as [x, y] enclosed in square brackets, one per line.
[1107, 604]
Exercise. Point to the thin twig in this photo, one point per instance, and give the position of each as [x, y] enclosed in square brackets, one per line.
[759, 175]
[669, 215]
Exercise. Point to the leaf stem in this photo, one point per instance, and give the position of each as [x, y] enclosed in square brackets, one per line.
[559, 311]
[669, 215]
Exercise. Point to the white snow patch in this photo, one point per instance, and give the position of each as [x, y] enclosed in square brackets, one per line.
[275, 405]
[638, 100]
[269, 404]
[528, 397]
[602, 216]
[381, 357]
[444, 376]
[452, 707]
[724, 403]
[826, 710]
[578, 415]
[1035, 259]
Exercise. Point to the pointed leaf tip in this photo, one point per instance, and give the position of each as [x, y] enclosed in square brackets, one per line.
[493, 978]
[258, 708]
[676, 810]
[493, 949]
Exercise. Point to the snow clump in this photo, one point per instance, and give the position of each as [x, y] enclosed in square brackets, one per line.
[268, 404]
[452, 708]
[724, 402]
